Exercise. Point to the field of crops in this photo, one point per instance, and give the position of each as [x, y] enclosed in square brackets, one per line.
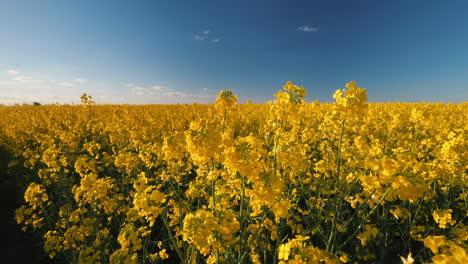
[283, 182]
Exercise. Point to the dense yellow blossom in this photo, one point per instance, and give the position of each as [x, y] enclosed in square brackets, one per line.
[282, 182]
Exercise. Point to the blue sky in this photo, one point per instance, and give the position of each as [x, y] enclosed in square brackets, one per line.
[170, 51]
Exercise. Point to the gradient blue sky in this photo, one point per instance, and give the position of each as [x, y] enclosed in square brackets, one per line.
[171, 51]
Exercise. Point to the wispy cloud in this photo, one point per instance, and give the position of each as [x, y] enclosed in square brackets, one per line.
[155, 90]
[73, 83]
[80, 80]
[46, 99]
[306, 28]
[204, 35]
[166, 95]
[43, 99]
[66, 84]
[160, 88]
[12, 72]
[26, 79]
[28, 87]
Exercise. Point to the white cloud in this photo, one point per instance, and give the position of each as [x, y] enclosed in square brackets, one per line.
[161, 88]
[66, 84]
[202, 35]
[178, 94]
[155, 90]
[139, 90]
[306, 28]
[43, 99]
[61, 99]
[26, 79]
[130, 85]
[215, 40]
[205, 89]
[80, 81]
[28, 88]
[166, 95]
[12, 72]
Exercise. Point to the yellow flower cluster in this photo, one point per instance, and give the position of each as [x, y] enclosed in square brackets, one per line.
[443, 218]
[291, 94]
[301, 253]
[446, 251]
[351, 101]
[369, 233]
[87, 99]
[210, 233]
[282, 182]
[226, 99]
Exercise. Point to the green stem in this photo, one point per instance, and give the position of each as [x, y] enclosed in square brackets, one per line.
[224, 118]
[171, 236]
[213, 191]
[364, 220]
[338, 153]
